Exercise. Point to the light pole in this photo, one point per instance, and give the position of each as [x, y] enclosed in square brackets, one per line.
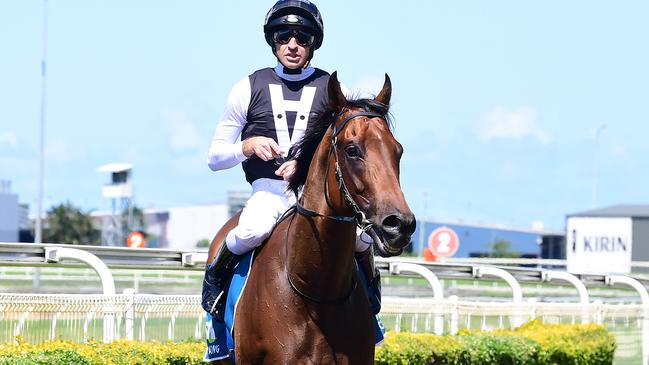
[38, 234]
[422, 225]
[596, 164]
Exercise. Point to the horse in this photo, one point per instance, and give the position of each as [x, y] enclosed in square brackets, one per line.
[303, 303]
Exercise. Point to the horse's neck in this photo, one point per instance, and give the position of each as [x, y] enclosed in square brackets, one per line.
[321, 250]
[321, 257]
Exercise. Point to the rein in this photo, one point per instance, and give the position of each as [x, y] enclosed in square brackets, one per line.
[358, 218]
[340, 300]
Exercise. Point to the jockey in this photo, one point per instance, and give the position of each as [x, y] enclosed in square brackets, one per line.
[269, 111]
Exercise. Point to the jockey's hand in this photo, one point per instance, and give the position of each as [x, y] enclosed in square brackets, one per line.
[265, 148]
[287, 169]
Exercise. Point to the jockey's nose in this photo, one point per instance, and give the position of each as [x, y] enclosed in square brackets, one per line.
[399, 225]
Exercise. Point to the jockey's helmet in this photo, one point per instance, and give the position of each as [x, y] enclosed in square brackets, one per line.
[301, 13]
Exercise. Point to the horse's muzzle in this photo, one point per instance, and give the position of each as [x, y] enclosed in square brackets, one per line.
[396, 230]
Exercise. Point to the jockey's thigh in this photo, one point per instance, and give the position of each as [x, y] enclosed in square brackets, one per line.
[269, 200]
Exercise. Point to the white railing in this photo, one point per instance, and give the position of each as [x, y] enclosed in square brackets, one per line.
[77, 317]
[137, 316]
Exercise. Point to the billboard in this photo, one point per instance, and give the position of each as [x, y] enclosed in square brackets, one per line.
[599, 245]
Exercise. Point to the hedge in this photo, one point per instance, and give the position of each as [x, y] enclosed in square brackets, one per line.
[531, 344]
[95, 353]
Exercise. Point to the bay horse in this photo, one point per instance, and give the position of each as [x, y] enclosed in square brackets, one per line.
[303, 303]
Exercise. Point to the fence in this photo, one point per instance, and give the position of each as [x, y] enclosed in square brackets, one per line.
[79, 318]
[39, 317]
[172, 317]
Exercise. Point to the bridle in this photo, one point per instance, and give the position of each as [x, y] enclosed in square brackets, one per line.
[358, 217]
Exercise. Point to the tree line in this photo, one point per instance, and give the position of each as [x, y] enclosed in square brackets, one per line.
[67, 223]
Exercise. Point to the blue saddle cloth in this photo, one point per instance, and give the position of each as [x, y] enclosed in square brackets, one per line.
[220, 343]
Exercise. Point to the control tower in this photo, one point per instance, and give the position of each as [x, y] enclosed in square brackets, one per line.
[120, 191]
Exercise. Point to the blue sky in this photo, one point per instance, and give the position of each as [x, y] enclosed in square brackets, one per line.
[496, 103]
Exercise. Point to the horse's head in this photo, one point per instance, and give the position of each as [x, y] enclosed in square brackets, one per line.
[365, 158]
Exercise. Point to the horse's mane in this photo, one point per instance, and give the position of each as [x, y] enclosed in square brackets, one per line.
[303, 150]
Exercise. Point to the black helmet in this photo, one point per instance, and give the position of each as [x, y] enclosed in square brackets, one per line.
[294, 12]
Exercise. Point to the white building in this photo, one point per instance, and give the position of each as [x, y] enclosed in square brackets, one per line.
[183, 227]
[607, 240]
[178, 228]
[8, 213]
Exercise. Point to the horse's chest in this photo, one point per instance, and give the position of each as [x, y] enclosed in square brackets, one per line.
[281, 327]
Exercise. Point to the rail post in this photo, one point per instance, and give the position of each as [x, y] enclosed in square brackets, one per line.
[129, 318]
[55, 254]
[644, 298]
[581, 288]
[438, 292]
[517, 292]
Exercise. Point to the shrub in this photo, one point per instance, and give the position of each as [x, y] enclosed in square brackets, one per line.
[533, 343]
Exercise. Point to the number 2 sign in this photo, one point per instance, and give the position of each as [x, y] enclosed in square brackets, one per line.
[443, 242]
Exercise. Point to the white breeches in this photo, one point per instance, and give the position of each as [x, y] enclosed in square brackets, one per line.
[269, 200]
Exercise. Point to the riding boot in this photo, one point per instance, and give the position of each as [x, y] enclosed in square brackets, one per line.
[218, 275]
[365, 260]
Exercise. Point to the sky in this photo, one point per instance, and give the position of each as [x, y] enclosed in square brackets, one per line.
[498, 103]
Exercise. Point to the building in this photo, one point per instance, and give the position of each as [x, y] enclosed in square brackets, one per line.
[606, 240]
[458, 239]
[9, 213]
[182, 228]
[179, 228]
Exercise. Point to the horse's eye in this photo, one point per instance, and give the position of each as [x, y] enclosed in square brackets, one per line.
[352, 151]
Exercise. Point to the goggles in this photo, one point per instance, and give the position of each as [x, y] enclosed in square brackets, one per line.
[303, 38]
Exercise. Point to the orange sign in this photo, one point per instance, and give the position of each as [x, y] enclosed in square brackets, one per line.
[428, 256]
[443, 242]
[136, 240]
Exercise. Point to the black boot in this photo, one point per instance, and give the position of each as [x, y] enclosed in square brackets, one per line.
[365, 260]
[217, 280]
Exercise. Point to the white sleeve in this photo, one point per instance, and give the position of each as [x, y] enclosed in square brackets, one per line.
[226, 149]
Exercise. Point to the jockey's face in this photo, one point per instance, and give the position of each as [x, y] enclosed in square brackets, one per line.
[292, 49]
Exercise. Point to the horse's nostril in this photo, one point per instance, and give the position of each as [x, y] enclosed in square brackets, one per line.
[392, 222]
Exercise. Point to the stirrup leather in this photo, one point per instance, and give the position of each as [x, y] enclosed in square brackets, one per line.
[217, 281]
[366, 262]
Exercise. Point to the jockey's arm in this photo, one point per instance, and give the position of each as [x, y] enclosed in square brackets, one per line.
[226, 150]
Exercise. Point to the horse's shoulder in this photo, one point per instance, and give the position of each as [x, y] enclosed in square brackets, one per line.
[271, 254]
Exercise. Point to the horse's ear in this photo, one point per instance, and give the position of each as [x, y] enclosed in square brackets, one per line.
[336, 97]
[386, 92]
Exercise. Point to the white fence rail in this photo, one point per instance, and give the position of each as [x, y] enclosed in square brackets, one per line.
[80, 318]
[38, 317]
